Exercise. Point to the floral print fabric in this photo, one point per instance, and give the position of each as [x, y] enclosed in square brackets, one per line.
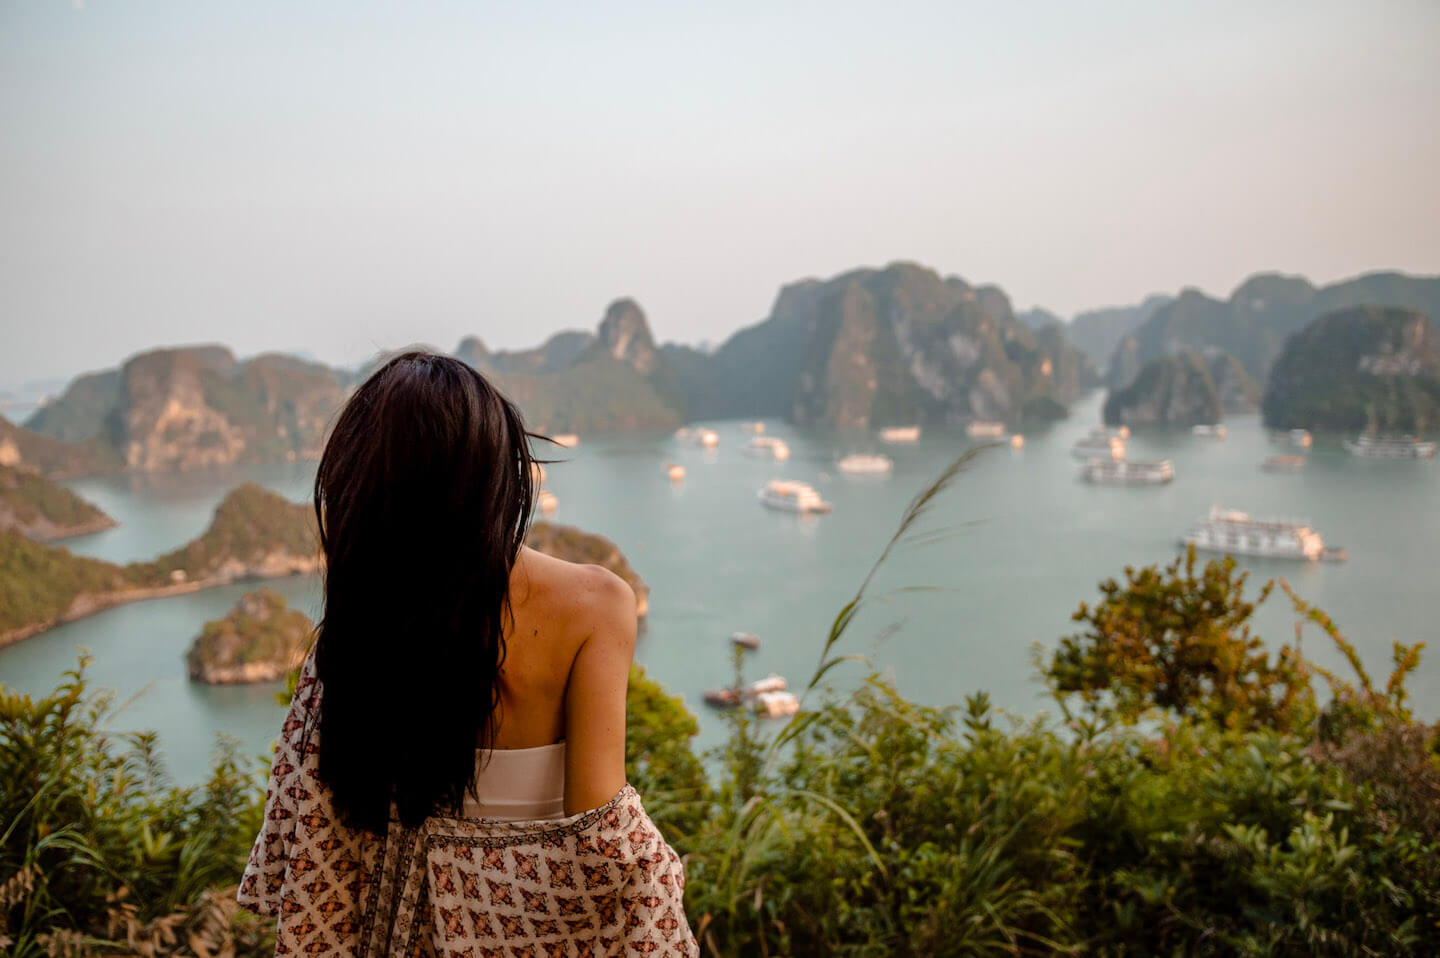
[603, 882]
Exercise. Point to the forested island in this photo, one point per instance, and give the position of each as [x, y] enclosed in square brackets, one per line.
[901, 344]
[1367, 368]
[1244, 339]
[39, 509]
[254, 534]
[1170, 391]
[261, 640]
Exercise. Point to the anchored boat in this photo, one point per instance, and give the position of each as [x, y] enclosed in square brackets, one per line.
[900, 434]
[861, 464]
[983, 429]
[791, 495]
[1237, 533]
[1126, 473]
[1283, 463]
[1371, 446]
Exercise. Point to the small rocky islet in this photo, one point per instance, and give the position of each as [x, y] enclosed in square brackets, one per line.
[261, 640]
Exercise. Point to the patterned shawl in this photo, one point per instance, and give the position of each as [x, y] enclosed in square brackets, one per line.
[603, 882]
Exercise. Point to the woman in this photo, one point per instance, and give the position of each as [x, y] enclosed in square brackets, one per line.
[450, 778]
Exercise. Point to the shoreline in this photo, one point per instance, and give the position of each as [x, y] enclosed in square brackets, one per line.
[87, 604]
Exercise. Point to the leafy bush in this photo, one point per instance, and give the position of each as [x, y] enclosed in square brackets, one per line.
[1170, 639]
[99, 852]
[1199, 799]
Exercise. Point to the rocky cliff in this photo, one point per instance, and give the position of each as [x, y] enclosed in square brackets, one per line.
[198, 406]
[56, 458]
[1252, 325]
[1170, 391]
[1239, 392]
[39, 509]
[580, 382]
[876, 347]
[260, 640]
[1359, 368]
[81, 412]
[1097, 332]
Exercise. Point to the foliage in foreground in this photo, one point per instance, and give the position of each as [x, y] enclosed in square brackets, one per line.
[1200, 798]
[98, 851]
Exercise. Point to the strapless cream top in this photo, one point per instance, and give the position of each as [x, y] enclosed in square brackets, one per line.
[519, 784]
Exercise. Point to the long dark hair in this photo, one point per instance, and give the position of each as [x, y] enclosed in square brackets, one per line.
[423, 499]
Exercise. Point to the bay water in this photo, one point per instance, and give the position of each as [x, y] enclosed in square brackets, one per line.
[1010, 552]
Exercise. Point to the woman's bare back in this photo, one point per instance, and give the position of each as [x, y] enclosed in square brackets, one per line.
[568, 649]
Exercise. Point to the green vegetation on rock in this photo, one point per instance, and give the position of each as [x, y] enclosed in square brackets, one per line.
[39, 583]
[38, 508]
[1253, 324]
[1239, 392]
[253, 530]
[1170, 391]
[577, 382]
[254, 534]
[1363, 368]
[81, 413]
[882, 347]
[260, 640]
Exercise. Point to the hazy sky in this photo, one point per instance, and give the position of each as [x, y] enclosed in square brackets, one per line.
[337, 177]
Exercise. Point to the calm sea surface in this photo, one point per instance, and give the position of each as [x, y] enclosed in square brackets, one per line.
[1030, 541]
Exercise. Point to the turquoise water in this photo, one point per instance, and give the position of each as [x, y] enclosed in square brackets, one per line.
[1029, 542]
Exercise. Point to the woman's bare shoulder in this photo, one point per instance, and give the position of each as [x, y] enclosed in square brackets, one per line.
[580, 596]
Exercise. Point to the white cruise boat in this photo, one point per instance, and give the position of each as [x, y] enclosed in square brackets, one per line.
[1283, 463]
[1099, 444]
[548, 502]
[767, 447]
[1122, 472]
[1370, 446]
[900, 434]
[791, 495]
[567, 439]
[983, 429]
[861, 464]
[1236, 533]
[1209, 430]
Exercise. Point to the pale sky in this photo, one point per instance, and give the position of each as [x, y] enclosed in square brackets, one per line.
[338, 177]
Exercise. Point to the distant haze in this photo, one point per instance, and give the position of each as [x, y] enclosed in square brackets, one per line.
[337, 179]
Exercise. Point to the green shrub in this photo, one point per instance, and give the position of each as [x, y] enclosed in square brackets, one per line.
[98, 847]
[1199, 799]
